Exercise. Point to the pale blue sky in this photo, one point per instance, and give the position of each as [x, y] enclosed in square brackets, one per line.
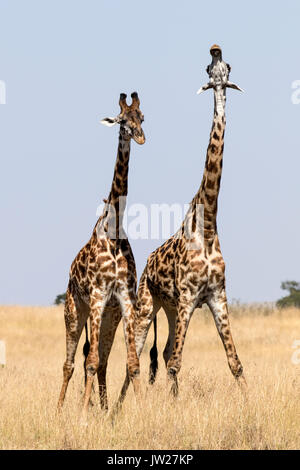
[65, 63]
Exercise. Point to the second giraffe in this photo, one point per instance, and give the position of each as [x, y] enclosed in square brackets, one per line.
[188, 270]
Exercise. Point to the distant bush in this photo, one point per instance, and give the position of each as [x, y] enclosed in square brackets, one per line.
[60, 299]
[237, 308]
[292, 300]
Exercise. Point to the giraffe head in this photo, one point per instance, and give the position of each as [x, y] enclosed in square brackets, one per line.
[218, 72]
[130, 119]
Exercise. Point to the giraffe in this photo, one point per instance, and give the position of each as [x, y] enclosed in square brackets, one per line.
[188, 270]
[102, 282]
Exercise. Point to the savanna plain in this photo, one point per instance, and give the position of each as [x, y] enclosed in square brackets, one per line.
[209, 413]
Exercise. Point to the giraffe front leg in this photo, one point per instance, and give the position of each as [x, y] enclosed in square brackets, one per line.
[128, 305]
[218, 306]
[171, 316]
[146, 312]
[141, 328]
[184, 313]
[109, 324]
[92, 361]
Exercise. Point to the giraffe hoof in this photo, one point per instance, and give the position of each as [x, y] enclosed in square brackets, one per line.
[174, 390]
[172, 372]
[59, 409]
[243, 385]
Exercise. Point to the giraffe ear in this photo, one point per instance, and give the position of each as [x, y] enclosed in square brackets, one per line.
[109, 121]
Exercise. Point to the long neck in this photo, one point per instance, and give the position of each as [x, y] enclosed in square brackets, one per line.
[113, 212]
[119, 184]
[208, 192]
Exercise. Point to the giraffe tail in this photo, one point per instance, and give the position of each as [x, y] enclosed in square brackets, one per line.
[153, 355]
[86, 350]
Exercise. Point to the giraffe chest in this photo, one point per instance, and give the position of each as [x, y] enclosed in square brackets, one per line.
[204, 267]
[161, 271]
[104, 267]
[192, 274]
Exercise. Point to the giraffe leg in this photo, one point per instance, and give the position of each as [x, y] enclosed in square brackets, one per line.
[109, 324]
[128, 306]
[184, 313]
[142, 325]
[75, 319]
[92, 362]
[171, 316]
[146, 312]
[148, 308]
[218, 306]
[141, 330]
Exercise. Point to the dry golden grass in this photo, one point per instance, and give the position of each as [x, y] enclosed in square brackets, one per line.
[208, 414]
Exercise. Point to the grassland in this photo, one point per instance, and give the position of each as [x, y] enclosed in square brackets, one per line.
[209, 413]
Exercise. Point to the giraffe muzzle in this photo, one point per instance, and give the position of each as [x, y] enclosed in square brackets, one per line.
[139, 137]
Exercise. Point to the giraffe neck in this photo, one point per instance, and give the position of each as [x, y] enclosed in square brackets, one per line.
[210, 186]
[119, 186]
[115, 205]
[207, 195]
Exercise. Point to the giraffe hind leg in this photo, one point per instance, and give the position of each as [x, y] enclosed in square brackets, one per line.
[218, 306]
[74, 320]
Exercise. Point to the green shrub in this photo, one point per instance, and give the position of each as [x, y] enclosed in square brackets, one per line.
[292, 300]
[60, 299]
